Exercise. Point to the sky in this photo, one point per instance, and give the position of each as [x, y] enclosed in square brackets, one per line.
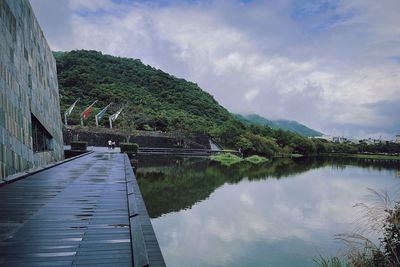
[331, 65]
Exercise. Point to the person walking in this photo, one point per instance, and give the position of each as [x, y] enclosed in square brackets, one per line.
[109, 144]
[113, 144]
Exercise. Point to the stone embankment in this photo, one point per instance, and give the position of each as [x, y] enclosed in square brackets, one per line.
[100, 136]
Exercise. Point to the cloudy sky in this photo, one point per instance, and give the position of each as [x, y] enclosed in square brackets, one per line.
[332, 65]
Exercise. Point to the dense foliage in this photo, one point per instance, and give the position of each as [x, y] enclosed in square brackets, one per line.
[156, 101]
[152, 99]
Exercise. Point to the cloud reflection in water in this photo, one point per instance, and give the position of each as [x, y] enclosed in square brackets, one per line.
[269, 222]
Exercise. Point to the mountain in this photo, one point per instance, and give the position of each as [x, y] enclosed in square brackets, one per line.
[287, 125]
[152, 99]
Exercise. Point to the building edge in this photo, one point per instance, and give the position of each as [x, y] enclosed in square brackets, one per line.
[30, 119]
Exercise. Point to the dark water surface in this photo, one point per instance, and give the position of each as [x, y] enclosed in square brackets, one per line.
[283, 213]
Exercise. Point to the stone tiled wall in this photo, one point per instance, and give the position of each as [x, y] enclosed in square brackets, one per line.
[28, 87]
[97, 138]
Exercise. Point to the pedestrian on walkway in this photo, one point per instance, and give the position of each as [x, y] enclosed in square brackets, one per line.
[113, 144]
[109, 144]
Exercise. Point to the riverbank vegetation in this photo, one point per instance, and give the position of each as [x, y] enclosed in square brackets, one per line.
[226, 159]
[255, 159]
[364, 156]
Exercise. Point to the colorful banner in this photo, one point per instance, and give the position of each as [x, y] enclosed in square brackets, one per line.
[101, 114]
[114, 116]
[69, 110]
[87, 111]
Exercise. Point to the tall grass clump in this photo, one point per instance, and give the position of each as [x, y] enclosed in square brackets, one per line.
[331, 262]
[382, 218]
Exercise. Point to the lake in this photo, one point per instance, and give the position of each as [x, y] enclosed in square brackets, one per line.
[282, 213]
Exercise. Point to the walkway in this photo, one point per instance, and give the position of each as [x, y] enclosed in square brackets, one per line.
[78, 214]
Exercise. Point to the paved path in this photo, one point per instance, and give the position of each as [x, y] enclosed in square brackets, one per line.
[76, 213]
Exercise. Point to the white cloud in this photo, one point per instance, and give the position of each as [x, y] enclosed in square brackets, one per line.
[91, 6]
[250, 95]
[320, 68]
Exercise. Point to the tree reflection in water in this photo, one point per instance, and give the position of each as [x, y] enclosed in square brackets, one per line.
[170, 184]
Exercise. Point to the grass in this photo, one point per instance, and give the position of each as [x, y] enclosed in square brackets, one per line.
[290, 155]
[366, 156]
[229, 159]
[226, 159]
[374, 156]
[330, 262]
[256, 159]
[380, 216]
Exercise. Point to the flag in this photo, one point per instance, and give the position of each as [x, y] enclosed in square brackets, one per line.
[114, 116]
[69, 110]
[87, 111]
[101, 114]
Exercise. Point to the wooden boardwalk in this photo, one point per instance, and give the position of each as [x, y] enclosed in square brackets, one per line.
[85, 212]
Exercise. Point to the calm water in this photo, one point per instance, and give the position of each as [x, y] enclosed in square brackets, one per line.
[278, 214]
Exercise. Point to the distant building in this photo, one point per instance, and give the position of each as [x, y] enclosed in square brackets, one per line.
[339, 139]
[30, 121]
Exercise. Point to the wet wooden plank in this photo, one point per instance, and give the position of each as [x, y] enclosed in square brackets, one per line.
[86, 212]
[73, 214]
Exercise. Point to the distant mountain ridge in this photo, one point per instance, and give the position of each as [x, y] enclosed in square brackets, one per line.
[287, 125]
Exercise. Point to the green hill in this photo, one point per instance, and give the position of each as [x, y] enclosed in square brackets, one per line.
[287, 125]
[157, 101]
[152, 99]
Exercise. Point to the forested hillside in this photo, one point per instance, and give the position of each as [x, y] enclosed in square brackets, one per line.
[152, 99]
[157, 101]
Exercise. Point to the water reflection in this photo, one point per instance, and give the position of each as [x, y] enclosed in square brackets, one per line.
[174, 183]
[247, 215]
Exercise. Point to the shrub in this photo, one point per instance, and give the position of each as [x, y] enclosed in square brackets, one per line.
[129, 148]
[79, 145]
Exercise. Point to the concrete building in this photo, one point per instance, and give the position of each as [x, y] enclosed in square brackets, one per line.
[30, 121]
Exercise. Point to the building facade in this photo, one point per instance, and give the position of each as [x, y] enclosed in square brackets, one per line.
[30, 120]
